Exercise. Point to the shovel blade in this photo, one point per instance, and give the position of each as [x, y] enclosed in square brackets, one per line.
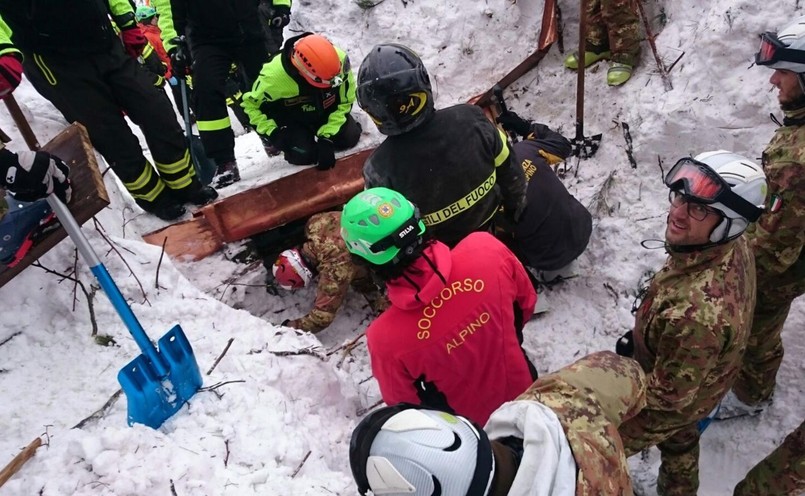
[153, 399]
[204, 165]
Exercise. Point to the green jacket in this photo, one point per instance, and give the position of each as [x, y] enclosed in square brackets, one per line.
[281, 96]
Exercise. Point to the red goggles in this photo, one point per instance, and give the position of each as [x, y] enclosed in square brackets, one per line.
[772, 50]
[701, 184]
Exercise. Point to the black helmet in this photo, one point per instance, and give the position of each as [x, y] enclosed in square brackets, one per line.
[394, 88]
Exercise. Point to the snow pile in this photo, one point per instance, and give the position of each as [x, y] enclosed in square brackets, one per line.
[285, 428]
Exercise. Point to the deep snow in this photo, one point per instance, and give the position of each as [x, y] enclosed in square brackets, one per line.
[253, 437]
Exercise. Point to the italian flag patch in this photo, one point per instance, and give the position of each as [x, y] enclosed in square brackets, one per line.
[775, 204]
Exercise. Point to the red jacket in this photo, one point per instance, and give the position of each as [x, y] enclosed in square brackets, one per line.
[153, 34]
[460, 339]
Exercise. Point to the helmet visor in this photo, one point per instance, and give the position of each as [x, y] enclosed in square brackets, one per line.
[700, 183]
[772, 50]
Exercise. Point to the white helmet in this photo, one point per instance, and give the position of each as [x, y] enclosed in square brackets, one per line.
[785, 49]
[407, 449]
[747, 180]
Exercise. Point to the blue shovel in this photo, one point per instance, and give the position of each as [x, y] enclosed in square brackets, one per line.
[158, 382]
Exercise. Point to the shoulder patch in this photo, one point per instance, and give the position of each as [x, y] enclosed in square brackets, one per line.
[775, 204]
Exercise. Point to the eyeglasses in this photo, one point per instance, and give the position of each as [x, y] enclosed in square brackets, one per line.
[699, 183]
[696, 211]
[772, 50]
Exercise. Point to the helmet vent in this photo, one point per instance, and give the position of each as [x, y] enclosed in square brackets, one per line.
[374, 220]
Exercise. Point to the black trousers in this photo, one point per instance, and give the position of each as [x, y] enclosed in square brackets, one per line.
[211, 65]
[301, 145]
[96, 90]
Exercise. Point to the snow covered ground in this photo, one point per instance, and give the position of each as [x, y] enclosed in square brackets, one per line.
[282, 427]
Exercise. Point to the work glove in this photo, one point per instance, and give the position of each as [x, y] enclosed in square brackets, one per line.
[513, 123]
[10, 73]
[278, 16]
[134, 40]
[29, 176]
[277, 142]
[181, 61]
[625, 345]
[326, 153]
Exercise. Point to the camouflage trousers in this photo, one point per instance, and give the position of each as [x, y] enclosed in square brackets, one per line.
[764, 350]
[782, 473]
[3, 203]
[613, 25]
[679, 450]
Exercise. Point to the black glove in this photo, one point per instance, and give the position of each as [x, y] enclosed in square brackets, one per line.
[326, 153]
[277, 142]
[30, 176]
[513, 123]
[181, 61]
[540, 130]
[625, 345]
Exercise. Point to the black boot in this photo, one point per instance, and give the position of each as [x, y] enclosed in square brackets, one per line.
[195, 193]
[164, 206]
[226, 174]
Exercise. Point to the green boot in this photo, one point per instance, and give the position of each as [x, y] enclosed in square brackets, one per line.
[618, 74]
[590, 58]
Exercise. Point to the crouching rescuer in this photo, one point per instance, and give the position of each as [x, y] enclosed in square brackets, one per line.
[452, 337]
[325, 255]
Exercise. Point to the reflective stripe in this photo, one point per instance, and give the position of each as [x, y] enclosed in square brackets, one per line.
[462, 204]
[148, 50]
[180, 183]
[151, 195]
[159, 82]
[215, 125]
[141, 181]
[177, 166]
[40, 62]
[504, 153]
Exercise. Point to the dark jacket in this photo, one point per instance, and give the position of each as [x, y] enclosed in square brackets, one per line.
[456, 167]
[64, 27]
[281, 96]
[209, 21]
[554, 228]
[456, 333]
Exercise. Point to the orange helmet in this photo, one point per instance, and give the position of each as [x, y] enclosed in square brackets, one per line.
[317, 61]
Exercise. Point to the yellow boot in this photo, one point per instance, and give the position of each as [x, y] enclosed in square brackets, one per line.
[590, 58]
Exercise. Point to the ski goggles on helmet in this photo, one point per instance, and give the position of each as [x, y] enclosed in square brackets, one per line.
[699, 183]
[772, 50]
[333, 82]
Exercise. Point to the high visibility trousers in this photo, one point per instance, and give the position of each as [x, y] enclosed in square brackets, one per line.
[95, 90]
[211, 64]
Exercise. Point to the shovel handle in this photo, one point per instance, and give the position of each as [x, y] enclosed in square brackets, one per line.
[580, 70]
[16, 464]
[109, 287]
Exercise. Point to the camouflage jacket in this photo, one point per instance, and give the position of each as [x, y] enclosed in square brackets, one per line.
[591, 398]
[691, 329]
[779, 236]
[326, 253]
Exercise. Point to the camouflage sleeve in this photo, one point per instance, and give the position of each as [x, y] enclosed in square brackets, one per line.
[782, 472]
[684, 358]
[779, 235]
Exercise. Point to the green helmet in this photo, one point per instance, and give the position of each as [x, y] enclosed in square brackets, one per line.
[144, 12]
[378, 224]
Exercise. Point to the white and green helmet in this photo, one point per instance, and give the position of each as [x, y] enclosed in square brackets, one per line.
[380, 224]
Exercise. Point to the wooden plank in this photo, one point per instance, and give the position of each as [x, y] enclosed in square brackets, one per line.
[16, 464]
[262, 208]
[89, 193]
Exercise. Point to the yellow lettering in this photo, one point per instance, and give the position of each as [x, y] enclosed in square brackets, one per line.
[432, 312]
[447, 296]
[467, 285]
[423, 335]
[436, 300]
[424, 324]
[455, 287]
[450, 347]
[478, 285]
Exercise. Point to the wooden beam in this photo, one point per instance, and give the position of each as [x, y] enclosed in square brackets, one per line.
[89, 193]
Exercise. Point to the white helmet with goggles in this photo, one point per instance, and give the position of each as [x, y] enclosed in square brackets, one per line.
[411, 450]
[784, 49]
[724, 181]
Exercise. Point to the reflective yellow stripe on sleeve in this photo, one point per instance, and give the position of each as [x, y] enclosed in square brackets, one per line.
[504, 152]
